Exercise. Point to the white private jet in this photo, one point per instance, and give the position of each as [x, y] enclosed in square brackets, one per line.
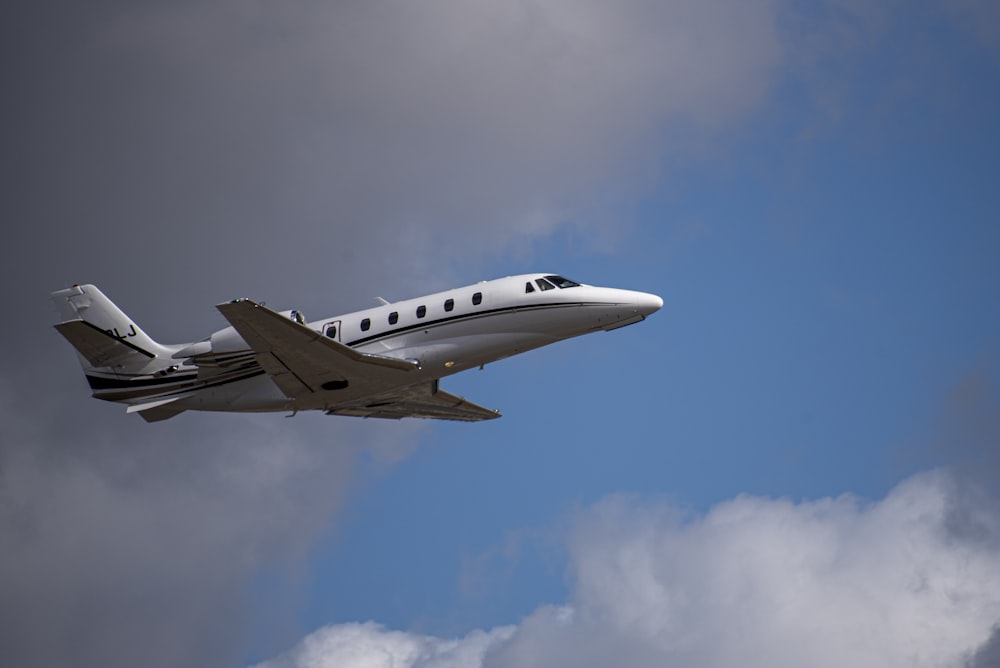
[384, 362]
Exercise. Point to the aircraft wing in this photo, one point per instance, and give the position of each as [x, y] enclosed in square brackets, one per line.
[302, 361]
[420, 401]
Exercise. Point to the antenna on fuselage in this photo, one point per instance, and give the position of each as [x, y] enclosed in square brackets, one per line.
[382, 301]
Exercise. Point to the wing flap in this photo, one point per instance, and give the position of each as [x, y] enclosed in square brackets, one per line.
[302, 361]
[418, 401]
[282, 376]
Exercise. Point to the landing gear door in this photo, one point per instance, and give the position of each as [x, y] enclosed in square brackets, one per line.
[331, 330]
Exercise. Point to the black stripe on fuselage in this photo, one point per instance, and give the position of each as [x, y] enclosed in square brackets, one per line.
[102, 383]
[222, 359]
[153, 387]
[389, 333]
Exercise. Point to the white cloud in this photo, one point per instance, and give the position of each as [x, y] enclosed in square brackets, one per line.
[371, 646]
[754, 582]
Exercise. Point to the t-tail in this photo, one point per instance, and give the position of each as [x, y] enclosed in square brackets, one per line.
[119, 359]
[102, 334]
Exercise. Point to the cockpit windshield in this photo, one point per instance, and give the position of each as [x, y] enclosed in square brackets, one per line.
[561, 282]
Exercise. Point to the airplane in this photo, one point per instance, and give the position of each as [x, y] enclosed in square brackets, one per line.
[383, 362]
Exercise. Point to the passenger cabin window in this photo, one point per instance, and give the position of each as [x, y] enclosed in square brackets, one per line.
[393, 318]
[528, 287]
[421, 311]
[366, 325]
[561, 282]
[544, 285]
[331, 331]
[477, 298]
[449, 304]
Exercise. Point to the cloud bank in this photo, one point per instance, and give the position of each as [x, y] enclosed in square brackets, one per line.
[125, 545]
[368, 137]
[754, 582]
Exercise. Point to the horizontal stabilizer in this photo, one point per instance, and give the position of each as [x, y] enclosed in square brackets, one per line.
[100, 348]
[154, 411]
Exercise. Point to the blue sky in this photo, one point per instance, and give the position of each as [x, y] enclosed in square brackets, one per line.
[823, 296]
[811, 188]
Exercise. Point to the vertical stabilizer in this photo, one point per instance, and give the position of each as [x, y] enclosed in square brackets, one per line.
[101, 332]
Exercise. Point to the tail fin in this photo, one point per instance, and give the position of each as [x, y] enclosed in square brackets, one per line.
[101, 332]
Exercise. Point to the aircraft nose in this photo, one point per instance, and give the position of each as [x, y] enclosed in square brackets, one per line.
[647, 304]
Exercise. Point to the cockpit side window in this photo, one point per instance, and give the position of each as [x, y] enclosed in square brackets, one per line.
[528, 287]
[563, 282]
[544, 285]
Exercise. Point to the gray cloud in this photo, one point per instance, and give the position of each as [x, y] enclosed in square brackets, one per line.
[127, 545]
[754, 582]
[968, 439]
[988, 655]
[354, 138]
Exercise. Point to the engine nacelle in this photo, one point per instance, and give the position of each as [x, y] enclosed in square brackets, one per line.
[294, 314]
[226, 340]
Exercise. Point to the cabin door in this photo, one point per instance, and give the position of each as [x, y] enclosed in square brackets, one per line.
[331, 330]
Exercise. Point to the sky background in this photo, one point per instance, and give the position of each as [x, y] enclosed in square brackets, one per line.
[795, 462]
